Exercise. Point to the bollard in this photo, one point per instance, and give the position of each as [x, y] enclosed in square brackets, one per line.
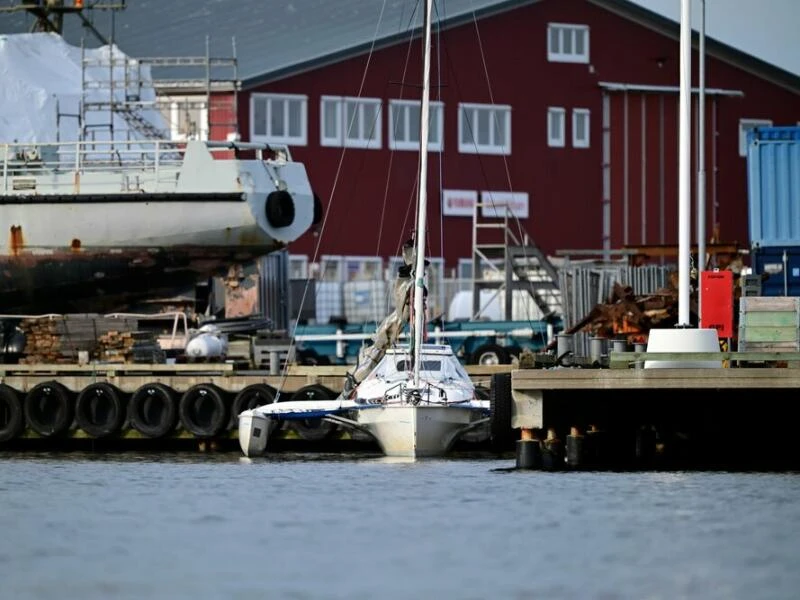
[598, 349]
[529, 454]
[639, 347]
[594, 447]
[565, 348]
[529, 451]
[574, 448]
[552, 452]
[619, 345]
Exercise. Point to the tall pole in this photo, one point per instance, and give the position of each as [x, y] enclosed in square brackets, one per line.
[684, 156]
[419, 268]
[701, 157]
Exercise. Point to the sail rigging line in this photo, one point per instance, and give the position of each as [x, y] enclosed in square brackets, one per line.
[391, 154]
[320, 235]
[520, 230]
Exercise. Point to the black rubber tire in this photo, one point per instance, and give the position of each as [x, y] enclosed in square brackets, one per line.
[313, 430]
[279, 208]
[12, 418]
[256, 394]
[153, 410]
[490, 354]
[100, 409]
[203, 410]
[49, 408]
[500, 411]
[318, 211]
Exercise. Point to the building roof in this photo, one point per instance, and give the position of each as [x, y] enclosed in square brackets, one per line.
[282, 37]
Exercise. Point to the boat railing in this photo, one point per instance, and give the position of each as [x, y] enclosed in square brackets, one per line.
[86, 156]
[22, 163]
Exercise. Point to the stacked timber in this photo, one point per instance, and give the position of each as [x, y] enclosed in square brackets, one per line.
[69, 338]
[129, 347]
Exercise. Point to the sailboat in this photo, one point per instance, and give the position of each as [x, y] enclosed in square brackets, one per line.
[414, 401]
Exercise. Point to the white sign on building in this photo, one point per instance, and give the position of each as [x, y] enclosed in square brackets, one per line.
[494, 204]
[459, 203]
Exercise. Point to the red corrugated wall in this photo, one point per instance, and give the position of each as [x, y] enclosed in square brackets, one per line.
[369, 214]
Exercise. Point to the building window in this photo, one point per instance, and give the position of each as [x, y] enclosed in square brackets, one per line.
[278, 119]
[484, 129]
[404, 125]
[580, 128]
[555, 127]
[567, 43]
[746, 125]
[350, 122]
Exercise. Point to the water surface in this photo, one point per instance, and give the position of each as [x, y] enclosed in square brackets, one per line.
[321, 526]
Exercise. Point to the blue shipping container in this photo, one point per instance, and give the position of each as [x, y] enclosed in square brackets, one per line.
[773, 180]
[781, 268]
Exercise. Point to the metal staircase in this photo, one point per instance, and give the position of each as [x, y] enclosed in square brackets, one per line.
[505, 258]
[139, 124]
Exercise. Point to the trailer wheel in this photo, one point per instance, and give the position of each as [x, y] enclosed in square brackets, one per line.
[500, 411]
[203, 410]
[313, 430]
[100, 409]
[490, 354]
[49, 408]
[153, 410]
[12, 419]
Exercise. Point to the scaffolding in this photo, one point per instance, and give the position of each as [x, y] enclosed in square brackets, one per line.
[197, 100]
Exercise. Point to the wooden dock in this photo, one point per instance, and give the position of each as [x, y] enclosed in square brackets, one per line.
[680, 416]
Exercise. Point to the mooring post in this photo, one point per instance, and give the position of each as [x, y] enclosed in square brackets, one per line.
[574, 448]
[529, 450]
[552, 451]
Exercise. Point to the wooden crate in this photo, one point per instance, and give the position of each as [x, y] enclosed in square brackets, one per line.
[769, 323]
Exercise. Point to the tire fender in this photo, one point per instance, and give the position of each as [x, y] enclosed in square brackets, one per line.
[256, 394]
[153, 410]
[203, 410]
[49, 408]
[313, 430]
[500, 410]
[12, 417]
[100, 409]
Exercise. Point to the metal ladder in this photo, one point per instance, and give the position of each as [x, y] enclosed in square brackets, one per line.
[507, 261]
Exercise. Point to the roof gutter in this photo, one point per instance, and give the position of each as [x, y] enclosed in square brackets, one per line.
[664, 89]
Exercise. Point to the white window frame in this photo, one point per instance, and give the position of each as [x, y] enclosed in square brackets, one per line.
[578, 113]
[290, 140]
[400, 140]
[745, 125]
[360, 127]
[558, 141]
[558, 32]
[499, 117]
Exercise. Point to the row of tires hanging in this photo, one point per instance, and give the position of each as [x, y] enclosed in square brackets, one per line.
[155, 410]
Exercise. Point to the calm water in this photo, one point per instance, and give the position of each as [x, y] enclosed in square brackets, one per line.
[306, 526]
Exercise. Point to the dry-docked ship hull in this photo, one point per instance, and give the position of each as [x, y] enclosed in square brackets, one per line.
[99, 236]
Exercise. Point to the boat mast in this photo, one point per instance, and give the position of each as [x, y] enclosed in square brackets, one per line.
[419, 268]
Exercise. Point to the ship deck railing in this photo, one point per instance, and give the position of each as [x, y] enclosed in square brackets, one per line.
[34, 159]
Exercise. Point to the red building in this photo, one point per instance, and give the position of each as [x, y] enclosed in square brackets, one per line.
[570, 104]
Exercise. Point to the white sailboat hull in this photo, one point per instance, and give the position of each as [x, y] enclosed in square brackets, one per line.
[254, 430]
[416, 431]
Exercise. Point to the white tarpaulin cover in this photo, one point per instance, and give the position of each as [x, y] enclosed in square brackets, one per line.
[40, 78]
